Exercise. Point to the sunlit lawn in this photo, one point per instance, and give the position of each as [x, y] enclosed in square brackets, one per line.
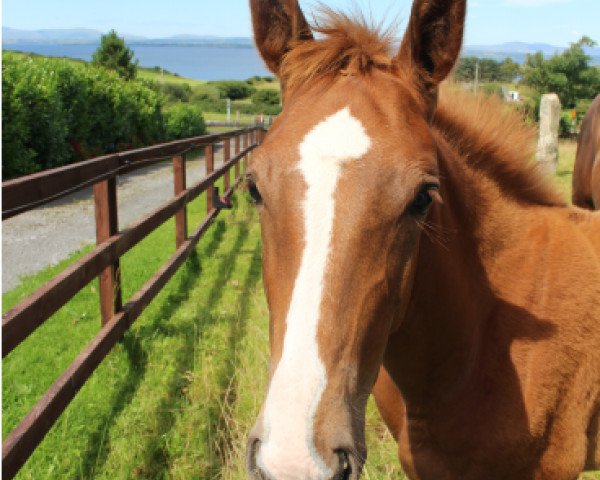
[566, 160]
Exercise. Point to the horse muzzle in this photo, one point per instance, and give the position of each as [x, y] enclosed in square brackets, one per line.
[343, 464]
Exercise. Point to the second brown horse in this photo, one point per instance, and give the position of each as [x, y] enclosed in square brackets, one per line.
[586, 175]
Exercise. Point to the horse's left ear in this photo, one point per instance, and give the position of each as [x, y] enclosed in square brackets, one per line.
[276, 24]
[432, 41]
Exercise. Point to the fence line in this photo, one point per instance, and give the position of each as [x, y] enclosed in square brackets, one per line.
[25, 193]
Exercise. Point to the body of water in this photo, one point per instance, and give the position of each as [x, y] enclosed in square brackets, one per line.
[204, 62]
[197, 62]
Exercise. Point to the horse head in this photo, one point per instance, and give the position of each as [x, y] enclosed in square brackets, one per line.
[343, 182]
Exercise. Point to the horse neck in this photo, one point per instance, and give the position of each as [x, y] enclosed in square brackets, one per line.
[441, 335]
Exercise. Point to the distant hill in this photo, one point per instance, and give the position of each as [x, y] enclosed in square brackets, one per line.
[517, 47]
[12, 38]
[518, 50]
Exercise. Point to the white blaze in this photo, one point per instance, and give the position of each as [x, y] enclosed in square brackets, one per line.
[288, 451]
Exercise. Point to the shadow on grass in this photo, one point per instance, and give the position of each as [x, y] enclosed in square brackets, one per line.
[156, 463]
[137, 345]
[228, 385]
[97, 451]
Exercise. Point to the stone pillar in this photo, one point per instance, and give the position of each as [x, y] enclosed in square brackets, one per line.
[547, 149]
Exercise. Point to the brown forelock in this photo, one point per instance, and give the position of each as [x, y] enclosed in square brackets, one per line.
[493, 139]
[349, 46]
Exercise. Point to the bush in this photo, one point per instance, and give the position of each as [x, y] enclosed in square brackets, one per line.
[530, 108]
[259, 79]
[566, 126]
[212, 105]
[267, 96]
[34, 122]
[233, 89]
[56, 112]
[184, 120]
[174, 92]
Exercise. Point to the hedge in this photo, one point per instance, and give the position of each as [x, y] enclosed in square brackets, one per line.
[184, 120]
[56, 112]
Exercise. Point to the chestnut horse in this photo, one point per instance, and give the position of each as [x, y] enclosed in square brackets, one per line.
[412, 251]
[586, 174]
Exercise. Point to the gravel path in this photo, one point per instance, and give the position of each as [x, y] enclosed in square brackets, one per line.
[44, 236]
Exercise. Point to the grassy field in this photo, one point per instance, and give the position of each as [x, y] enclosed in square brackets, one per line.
[176, 398]
[222, 117]
[155, 76]
[567, 150]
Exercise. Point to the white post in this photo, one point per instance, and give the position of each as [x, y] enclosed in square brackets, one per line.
[228, 112]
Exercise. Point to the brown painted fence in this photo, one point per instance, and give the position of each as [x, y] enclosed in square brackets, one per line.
[25, 193]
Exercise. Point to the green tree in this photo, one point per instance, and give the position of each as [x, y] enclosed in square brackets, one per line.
[115, 55]
[490, 70]
[465, 70]
[509, 70]
[568, 74]
[267, 96]
[233, 89]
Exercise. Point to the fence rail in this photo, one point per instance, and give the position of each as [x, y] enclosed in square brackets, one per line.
[26, 193]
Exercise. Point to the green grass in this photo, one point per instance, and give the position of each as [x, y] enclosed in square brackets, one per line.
[567, 150]
[177, 397]
[151, 74]
[222, 117]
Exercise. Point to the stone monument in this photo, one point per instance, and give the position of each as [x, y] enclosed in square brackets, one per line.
[547, 149]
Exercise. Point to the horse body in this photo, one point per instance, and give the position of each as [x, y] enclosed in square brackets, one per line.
[498, 374]
[409, 249]
[586, 174]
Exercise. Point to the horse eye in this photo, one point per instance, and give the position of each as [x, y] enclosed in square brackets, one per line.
[253, 190]
[422, 200]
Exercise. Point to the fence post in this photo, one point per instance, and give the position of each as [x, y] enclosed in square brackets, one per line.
[181, 230]
[244, 146]
[226, 157]
[107, 225]
[210, 166]
[237, 151]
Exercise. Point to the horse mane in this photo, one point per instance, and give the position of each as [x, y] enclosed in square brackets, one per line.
[495, 140]
[491, 137]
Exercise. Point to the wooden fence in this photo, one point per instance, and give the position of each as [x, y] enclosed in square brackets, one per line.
[23, 194]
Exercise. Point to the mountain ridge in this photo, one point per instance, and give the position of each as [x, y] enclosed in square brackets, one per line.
[14, 37]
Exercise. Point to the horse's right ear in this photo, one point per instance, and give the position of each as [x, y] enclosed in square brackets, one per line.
[276, 24]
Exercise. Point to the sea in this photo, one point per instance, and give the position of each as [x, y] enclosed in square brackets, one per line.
[198, 62]
[205, 62]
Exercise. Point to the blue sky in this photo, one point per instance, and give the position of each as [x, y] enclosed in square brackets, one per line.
[557, 22]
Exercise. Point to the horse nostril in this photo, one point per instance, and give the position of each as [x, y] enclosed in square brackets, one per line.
[344, 466]
[253, 469]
